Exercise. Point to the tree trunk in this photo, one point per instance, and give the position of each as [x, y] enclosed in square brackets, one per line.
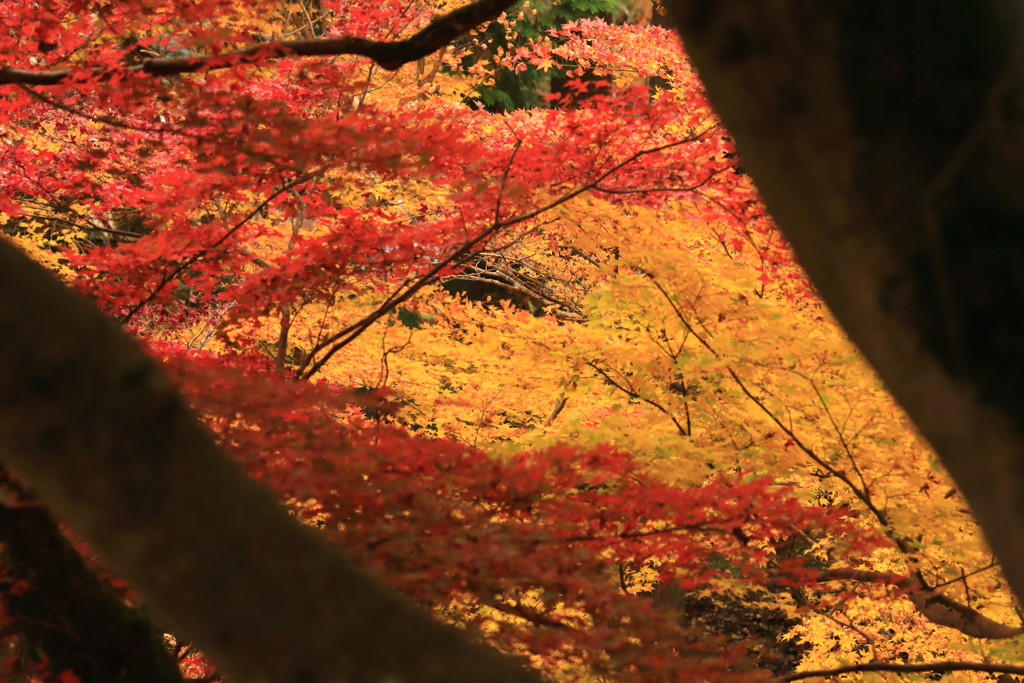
[888, 141]
[104, 439]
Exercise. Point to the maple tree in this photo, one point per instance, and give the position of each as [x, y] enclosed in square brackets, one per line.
[308, 245]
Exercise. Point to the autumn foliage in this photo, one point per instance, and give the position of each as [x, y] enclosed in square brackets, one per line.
[551, 371]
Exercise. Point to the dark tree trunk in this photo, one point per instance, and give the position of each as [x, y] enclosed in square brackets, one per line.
[67, 616]
[105, 440]
[888, 141]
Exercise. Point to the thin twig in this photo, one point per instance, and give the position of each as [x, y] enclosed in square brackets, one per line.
[406, 291]
[205, 250]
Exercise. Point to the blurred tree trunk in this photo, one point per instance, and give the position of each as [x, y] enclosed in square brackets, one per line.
[107, 443]
[67, 615]
[888, 141]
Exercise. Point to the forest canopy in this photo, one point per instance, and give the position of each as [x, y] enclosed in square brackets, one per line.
[485, 296]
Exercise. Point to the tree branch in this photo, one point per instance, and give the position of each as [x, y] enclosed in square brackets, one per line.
[557, 410]
[335, 342]
[391, 55]
[938, 667]
[933, 606]
[107, 443]
[632, 393]
[186, 263]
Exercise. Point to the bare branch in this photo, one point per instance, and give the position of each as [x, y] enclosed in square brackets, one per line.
[933, 606]
[557, 410]
[938, 667]
[388, 54]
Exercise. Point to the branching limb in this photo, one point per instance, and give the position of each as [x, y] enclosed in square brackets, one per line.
[388, 54]
[933, 606]
[187, 263]
[937, 667]
[326, 348]
[862, 494]
[632, 393]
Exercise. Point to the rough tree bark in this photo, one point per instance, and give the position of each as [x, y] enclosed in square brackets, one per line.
[888, 141]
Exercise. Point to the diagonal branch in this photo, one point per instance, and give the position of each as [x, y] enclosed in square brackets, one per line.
[106, 442]
[862, 495]
[937, 667]
[632, 393]
[933, 606]
[334, 343]
[187, 263]
[389, 54]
